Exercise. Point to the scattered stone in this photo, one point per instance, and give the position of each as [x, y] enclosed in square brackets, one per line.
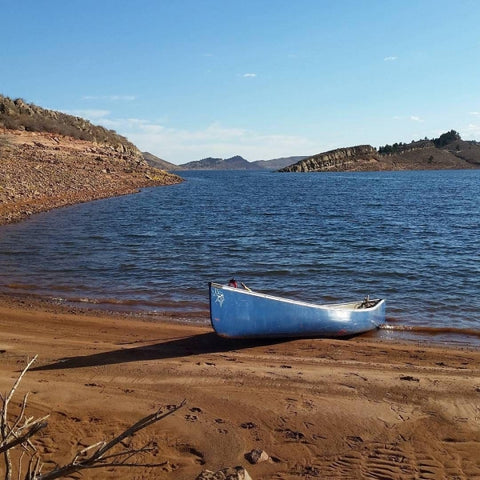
[232, 473]
[292, 435]
[409, 378]
[257, 456]
[248, 425]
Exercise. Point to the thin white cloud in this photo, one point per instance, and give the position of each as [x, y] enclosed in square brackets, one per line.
[472, 132]
[112, 98]
[90, 114]
[180, 145]
[390, 59]
[413, 118]
[476, 114]
[249, 75]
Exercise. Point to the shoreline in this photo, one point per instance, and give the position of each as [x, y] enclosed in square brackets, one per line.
[392, 331]
[42, 171]
[320, 408]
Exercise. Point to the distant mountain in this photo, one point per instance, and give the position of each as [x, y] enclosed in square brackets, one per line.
[277, 163]
[239, 163]
[156, 162]
[234, 163]
[448, 151]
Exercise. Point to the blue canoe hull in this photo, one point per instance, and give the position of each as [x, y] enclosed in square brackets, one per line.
[239, 313]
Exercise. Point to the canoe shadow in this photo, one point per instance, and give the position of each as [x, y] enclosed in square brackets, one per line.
[183, 347]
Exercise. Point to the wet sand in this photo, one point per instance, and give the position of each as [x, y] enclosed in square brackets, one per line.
[332, 409]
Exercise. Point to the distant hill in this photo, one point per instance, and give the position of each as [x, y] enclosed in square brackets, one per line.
[277, 163]
[448, 151]
[156, 162]
[234, 163]
[239, 163]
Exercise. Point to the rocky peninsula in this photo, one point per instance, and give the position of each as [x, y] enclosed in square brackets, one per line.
[446, 152]
[49, 159]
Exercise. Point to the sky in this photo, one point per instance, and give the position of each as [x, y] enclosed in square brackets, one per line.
[189, 79]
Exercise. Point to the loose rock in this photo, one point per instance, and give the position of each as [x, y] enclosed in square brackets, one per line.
[231, 473]
[257, 456]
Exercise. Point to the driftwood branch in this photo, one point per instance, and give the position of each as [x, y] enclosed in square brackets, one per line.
[37, 426]
[6, 432]
[100, 455]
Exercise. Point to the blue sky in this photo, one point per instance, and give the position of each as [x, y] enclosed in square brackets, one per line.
[188, 79]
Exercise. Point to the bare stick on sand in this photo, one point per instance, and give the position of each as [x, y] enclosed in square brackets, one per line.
[13, 434]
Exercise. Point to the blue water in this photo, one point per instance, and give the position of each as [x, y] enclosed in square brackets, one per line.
[410, 237]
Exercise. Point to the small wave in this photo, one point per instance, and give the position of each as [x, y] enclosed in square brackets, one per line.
[137, 305]
[130, 302]
[20, 286]
[431, 330]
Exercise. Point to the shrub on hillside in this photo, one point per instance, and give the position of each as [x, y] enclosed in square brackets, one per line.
[19, 115]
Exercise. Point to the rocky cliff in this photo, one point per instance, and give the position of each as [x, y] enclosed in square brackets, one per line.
[341, 159]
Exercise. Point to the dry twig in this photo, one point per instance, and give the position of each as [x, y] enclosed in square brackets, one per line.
[15, 434]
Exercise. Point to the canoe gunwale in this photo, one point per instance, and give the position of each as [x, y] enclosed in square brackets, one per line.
[347, 306]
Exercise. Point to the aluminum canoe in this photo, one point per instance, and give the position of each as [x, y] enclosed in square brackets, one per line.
[243, 313]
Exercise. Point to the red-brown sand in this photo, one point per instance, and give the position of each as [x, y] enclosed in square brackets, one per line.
[332, 409]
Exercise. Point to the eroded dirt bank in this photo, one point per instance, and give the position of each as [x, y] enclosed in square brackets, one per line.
[41, 171]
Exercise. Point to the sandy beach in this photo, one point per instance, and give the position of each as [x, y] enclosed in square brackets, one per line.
[330, 409]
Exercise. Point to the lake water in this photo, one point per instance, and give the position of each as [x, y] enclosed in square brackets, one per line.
[410, 237]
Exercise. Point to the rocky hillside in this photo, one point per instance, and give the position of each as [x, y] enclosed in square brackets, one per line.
[338, 160]
[157, 162]
[448, 151]
[18, 115]
[49, 159]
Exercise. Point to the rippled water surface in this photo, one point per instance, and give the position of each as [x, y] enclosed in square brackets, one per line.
[411, 237]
